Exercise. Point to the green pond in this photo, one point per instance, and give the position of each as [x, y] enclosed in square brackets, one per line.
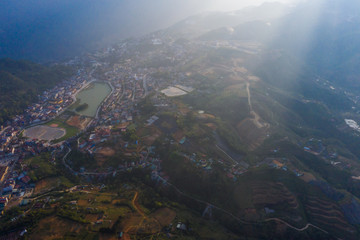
[92, 96]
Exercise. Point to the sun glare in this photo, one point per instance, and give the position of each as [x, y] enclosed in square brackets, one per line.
[231, 5]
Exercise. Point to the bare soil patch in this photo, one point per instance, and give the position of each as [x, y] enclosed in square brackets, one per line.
[130, 224]
[152, 133]
[92, 217]
[307, 177]
[83, 202]
[45, 184]
[254, 78]
[106, 151]
[205, 116]
[78, 121]
[211, 125]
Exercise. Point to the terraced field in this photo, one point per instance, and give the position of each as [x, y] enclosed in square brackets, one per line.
[328, 215]
[268, 194]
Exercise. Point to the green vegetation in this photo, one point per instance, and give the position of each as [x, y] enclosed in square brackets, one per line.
[338, 178]
[41, 167]
[22, 81]
[130, 135]
[79, 160]
[146, 106]
[268, 130]
[183, 175]
[50, 174]
[70, 130]
[231, 137]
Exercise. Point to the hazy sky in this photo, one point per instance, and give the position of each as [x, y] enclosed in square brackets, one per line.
[32, 27]
[229, 5]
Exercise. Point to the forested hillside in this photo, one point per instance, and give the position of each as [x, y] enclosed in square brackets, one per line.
[22, 81]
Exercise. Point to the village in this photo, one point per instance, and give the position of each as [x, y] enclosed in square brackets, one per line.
[130, 82]
[118, 108]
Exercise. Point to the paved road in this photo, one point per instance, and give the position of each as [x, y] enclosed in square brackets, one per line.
[66, 165]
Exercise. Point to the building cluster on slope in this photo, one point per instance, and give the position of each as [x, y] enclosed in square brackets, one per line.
[14, 148]
[140, 72]
[50, 104]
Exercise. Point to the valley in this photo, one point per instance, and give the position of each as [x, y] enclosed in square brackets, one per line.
[217, 136]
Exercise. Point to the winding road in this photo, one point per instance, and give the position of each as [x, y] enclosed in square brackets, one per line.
[138, 209]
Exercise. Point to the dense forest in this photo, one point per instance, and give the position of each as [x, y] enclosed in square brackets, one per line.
[22, 81]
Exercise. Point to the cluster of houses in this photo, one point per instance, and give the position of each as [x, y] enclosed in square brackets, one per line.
[19, 148]
[314, 146]
[282, 164]
[51, 103]
[118, 110]
[14, 149]
[131, 85]
[14, 152]
[201, 161]
[130, 82]
[17, 185]
[129, 88]
[99, 135]
[317, 147]
[235, 171]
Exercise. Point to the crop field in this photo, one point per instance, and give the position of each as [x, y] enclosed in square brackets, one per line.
[47, 133]
[53, 227]
[328, 215]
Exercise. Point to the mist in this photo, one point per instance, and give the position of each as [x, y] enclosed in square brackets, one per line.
[44, 30]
